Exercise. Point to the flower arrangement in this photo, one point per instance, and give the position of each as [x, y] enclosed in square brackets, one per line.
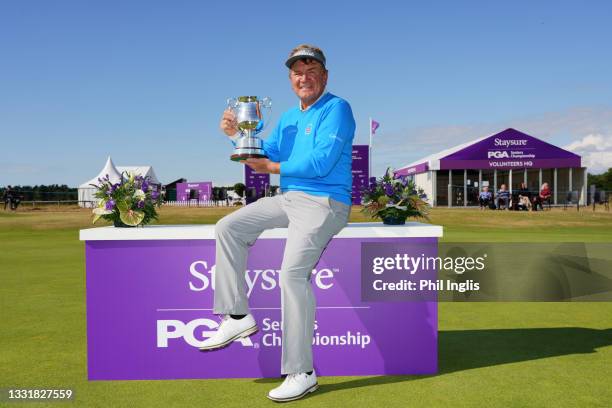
[393, 199]
[129, 203]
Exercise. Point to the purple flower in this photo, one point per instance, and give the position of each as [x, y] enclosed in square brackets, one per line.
[154, 195]
[140, 204]
[145, 186]
[388, 190]
[110, 205]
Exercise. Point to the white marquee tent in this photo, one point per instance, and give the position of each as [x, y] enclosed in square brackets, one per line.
[87, 190]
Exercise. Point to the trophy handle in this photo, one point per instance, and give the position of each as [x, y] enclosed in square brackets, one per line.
[232, 104]
[264, 104]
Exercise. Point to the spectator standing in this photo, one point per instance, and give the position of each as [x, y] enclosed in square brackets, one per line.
[7, 197]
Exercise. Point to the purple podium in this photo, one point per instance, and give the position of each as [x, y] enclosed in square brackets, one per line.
[150, 296]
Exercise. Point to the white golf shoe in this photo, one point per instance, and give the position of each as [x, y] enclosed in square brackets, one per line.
[294, 387]
[230, 330]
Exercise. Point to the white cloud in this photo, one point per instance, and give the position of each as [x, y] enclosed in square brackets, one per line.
[596, 152]
[591, 143]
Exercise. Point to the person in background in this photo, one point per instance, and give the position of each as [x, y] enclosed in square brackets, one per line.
[16, 201]
[542, 197]
[7, 197]
[523, 198]
[503, 198]
[485, 198]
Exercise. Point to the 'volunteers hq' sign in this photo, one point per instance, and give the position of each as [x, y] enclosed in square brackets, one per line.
[149, 308]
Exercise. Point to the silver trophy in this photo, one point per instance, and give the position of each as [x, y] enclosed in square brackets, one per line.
[251, 121]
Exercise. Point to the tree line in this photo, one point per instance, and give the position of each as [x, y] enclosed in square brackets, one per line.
[51, 192]
[61, 192]
[601, 181]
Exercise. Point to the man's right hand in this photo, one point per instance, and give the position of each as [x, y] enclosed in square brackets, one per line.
[228, 124]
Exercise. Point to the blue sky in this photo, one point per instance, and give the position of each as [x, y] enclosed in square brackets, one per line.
[146, 81]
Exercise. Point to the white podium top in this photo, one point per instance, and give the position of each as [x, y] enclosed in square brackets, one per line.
[207, 231]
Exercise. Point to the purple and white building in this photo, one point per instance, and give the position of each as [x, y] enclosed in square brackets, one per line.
[454, 177]
[201, 191]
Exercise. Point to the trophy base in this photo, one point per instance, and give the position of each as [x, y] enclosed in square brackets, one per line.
[244, 156]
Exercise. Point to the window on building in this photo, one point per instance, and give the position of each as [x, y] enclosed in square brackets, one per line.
[473, 187]
[442, 187]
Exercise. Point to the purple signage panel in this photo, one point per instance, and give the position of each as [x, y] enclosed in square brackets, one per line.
[149, 306]
[510, 149]
[361, 169]
[197, 191]
[256, 183]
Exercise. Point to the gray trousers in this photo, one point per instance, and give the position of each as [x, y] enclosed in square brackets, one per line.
[312, 221]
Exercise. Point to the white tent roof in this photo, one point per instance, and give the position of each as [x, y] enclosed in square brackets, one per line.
[144, 171]
[110, 169]
[114, 173]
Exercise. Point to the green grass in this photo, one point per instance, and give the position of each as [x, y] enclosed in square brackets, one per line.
[491, 354]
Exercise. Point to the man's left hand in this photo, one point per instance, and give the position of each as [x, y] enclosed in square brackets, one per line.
[263, 165]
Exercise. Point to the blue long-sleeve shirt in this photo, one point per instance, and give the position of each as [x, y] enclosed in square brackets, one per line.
[505, 194]
[485, 195]
[314, 148]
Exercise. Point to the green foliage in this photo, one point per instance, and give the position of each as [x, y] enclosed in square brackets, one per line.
[602, 181]
[51, 192]
[239, 189]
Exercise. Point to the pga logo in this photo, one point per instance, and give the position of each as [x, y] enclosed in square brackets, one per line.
[498, 154]
[190, 332]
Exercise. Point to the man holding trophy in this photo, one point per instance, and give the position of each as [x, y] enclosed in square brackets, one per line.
[311, 149]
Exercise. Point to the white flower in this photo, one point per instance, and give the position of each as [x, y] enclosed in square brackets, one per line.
[139, 195]
[101, 211]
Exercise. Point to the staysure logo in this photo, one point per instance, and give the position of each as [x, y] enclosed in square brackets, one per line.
[510, 142]
[202, 277]
[202, 328]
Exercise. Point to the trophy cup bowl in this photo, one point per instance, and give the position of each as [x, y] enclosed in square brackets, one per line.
[248, 111]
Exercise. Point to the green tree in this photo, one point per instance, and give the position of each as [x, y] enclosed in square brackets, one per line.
[602, 181]
[239, 189]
